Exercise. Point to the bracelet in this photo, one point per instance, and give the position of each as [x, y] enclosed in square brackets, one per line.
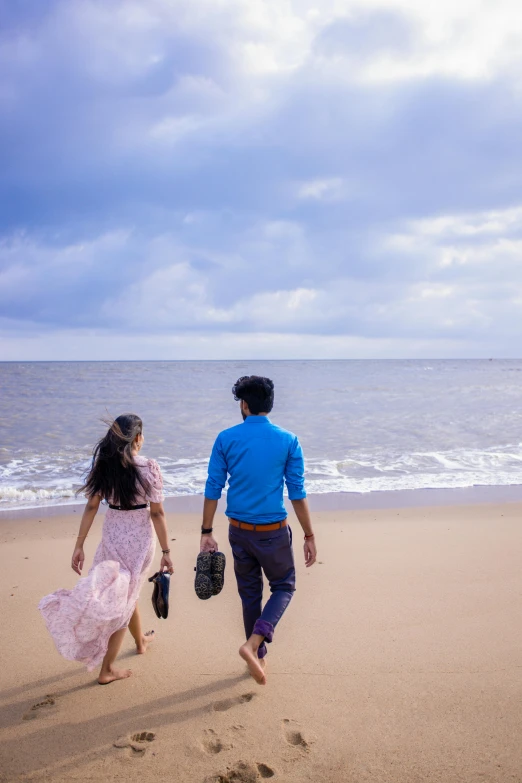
[312, 535]
[166, 551]
[206, 531]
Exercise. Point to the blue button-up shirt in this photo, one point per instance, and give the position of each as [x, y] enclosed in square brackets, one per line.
[258, 457]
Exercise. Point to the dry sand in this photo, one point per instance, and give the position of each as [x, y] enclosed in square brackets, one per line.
[399, 660]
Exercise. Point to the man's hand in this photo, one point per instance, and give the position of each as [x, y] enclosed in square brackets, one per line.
[302, 513]
[310, 552]
[208, 543]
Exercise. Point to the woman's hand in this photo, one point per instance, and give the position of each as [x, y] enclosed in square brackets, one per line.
[167, 564]
[78, 560]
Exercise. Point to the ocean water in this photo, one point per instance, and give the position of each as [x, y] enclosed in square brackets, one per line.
[365, 426]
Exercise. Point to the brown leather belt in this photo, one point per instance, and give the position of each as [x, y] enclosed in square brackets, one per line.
[258, 528]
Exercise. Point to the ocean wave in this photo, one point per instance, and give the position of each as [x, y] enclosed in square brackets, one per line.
[29, 498]
[38, 482]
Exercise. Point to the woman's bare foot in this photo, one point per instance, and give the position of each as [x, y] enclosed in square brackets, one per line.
[255, 667]
[146, 639]
[113, 674]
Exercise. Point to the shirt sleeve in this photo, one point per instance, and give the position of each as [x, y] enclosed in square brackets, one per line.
[294, 472]
[217, 472]
[155, 479]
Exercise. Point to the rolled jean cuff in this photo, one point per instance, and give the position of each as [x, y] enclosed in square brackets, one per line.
[264, 628]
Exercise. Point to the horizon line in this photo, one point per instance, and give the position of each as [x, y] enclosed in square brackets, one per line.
[217, 361]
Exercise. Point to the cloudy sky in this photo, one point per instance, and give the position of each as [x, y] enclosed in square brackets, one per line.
[260, 179]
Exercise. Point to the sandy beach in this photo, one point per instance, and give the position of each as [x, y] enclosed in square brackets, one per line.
[399, 660]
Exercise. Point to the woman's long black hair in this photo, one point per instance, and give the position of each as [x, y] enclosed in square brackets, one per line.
[113, 473]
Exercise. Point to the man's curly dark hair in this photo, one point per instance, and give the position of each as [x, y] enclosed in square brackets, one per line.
[256, 391]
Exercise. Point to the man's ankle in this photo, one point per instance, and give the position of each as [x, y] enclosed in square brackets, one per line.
[255, 641]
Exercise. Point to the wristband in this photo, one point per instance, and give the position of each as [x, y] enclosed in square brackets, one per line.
[206, 531]
[312, 535]
[166, 551]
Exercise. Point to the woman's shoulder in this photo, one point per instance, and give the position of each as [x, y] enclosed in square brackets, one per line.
[147, 463]
[153, 477]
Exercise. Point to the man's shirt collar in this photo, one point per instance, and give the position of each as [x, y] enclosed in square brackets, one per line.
[256, 419]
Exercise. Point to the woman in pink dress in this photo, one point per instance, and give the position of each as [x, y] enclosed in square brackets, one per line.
[89, 622]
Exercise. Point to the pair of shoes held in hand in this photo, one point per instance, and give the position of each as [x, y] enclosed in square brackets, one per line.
[160, 594]
[210, 574]
[210, 578]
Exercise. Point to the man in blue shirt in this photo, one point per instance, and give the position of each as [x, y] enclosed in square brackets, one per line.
[258, 458]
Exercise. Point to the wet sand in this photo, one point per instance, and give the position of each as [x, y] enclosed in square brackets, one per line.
[399, 660]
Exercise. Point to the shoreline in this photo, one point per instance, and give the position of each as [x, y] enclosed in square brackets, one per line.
[328, 501]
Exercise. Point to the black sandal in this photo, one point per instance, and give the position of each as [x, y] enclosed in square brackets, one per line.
[217, 572]
[160, 594]
[155, 593]
[203, 581]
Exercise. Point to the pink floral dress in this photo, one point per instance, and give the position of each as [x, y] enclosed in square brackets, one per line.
[82, 620]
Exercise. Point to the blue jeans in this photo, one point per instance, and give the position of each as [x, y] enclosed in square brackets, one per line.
[256, 552]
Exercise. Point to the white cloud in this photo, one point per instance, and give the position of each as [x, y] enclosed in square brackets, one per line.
[470, 224]
[91, 345]
[484, 245]
[165, 286]
[26, 264]
[436, 291]
[172, 129]
[469, 40]
[332, 189]
[472, 39]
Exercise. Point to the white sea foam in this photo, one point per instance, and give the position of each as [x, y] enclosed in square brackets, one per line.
[360, 474]
[13, 497]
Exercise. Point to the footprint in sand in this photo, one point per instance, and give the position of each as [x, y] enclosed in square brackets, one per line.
[265, 771]
[136, 742]
[293, 736]
[211, 742]
[227, 704]
[243, 772]
[40, 707]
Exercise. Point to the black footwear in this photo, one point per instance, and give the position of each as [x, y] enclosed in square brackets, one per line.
[217, 572]
[203, 581]
[155, 593]
[160, 594]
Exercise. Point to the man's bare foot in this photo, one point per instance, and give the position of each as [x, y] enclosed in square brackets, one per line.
[145, 641]
[255, 667]
[114, 674]
[262, 662]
